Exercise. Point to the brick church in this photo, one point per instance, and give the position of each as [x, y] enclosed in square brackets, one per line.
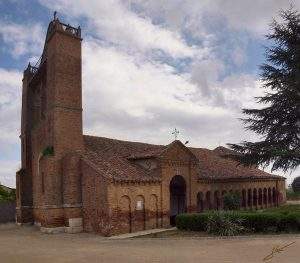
[73, 182]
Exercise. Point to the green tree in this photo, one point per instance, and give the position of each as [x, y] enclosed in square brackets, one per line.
[278, 121]
[7, 195]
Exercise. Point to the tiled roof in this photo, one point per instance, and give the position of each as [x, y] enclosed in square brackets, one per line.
[214, 165]
[115, 160]
[112, 159]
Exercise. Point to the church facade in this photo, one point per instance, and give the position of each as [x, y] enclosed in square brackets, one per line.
[73, 182]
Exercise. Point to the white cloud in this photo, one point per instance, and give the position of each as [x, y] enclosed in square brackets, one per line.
[193, 15]
[10, 101]
[8, 172]
[254, 16]
[119, 86]
[22, 39]
[115, 23]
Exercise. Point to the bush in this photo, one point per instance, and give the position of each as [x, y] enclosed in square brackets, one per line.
[236, 222]
[261, 222]
[224, 224]
[7, 196]
[292, 195]
[193, 222]
[289, 222]
[232, 201]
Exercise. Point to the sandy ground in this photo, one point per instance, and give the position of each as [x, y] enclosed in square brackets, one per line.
[27, 244]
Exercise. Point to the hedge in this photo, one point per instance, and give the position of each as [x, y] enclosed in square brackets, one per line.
[193, 222]
[250, 221]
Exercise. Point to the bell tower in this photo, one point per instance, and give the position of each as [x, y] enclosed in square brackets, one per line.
[52, 131]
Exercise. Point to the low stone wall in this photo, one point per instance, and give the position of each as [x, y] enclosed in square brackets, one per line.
[7, 212]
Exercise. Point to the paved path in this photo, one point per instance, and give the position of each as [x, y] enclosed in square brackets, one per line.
[142, 233]
[27, 244]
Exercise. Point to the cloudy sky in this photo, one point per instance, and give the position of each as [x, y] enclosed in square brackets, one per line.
[148, 66]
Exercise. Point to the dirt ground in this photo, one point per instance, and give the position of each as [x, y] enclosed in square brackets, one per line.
[27, 244]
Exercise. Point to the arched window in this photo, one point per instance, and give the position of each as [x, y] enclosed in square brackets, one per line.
[274, 196]
[250, 198]
[260, 197]
[269, 196]
[224, 192]
[216, 200]
[124, 215]
[244, 203]
[208, 201]
[200, 202]
[255, 198]
[265, 196]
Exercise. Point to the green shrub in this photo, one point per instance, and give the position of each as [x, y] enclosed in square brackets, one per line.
[292, 195]
[224, 224]
[289, 222]
[7, 196]
[236, 222]
[232, 201]
[193, 222]
[261, 222]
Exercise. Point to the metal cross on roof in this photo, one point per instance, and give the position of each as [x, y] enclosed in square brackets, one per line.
[175, 133]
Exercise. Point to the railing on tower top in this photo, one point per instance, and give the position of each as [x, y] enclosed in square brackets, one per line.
[34, 69]
[55, 25]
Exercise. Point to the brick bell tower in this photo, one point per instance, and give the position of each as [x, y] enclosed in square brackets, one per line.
[48, 183]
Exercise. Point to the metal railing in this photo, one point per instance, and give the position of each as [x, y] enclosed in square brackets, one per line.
[55, 25]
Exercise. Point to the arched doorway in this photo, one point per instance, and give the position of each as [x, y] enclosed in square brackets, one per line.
[177, 197]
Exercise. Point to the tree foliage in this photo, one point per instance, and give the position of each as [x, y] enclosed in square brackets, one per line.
[277, 122]
[232, 201]
[6, 196]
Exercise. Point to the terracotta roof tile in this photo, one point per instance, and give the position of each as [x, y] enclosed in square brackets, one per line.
[111, 157]
[115, 160]
[213, 164]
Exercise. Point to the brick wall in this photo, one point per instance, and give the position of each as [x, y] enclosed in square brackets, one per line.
[96, 217]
